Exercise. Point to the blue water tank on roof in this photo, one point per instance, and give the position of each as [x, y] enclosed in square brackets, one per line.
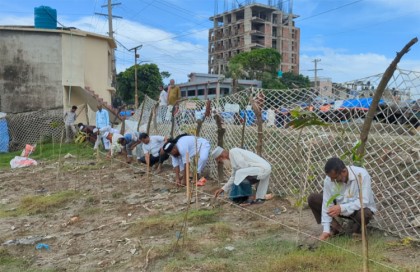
[45, 17]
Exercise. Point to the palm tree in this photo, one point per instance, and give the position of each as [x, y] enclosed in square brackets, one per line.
[236, 71]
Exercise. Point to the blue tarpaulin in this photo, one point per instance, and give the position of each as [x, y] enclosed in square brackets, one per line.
[4, 136]
[250, 116]
[359, 103]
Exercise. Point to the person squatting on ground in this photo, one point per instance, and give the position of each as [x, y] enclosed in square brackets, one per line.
[178, 149]
[115, 147]
[69, 119]
[342, 181]
[88, 130]
[152, 146]
[130, 141]
[247, 169]
[102, 125]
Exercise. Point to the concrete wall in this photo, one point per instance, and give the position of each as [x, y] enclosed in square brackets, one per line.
[86, 63]
[98, 67]
[30, 71]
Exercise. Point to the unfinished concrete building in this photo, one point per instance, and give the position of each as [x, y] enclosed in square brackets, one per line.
[251, 27]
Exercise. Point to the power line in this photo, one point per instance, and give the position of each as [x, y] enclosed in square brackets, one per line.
[329, 10]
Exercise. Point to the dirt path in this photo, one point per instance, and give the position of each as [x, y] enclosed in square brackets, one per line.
[102, 217]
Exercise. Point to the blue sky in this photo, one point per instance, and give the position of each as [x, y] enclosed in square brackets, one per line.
[353, 38]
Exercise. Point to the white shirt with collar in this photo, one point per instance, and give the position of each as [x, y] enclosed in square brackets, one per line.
[348, 197]
[154, 146]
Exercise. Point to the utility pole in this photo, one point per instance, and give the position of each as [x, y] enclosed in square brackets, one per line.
[111, 35]
[316, 73]
[136, 95]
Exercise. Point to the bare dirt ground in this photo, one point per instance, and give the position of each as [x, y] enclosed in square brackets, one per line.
[102, 216]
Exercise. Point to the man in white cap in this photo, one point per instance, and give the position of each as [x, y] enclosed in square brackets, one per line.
[247, 169]
[178, 149]
[115, 147]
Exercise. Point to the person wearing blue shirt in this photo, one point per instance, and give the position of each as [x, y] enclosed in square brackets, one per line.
[102, 123]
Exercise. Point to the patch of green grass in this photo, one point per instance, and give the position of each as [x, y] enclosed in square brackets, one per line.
[41, 204]
[157, 224]
[13, 264]
[50, 152]
[221, 230]
[274, 253]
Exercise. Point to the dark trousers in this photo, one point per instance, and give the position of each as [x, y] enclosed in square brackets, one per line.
[153, 160]
[240, 193]
[315, 203]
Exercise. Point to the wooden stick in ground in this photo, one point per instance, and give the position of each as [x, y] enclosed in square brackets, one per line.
[86, 114]
[257, 106]
[187, 175]
[221, 129]
[378, 94]
[149, 187]
[243, 131]
[152, 113]
[363, 226]
[141, 113]
[197, 153]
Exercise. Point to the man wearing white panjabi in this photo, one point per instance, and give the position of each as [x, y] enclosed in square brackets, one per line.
[247, 169]
[178, 149]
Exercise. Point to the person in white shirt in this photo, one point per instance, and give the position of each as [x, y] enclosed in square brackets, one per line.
[163, 104]
[152, 146]
[341, 189]
[178, 149]
[115, 147]
[69, 119]
[247, 169]
[102, 124]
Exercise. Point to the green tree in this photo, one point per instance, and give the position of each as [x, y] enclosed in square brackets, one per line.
[149, 78]
[236, 71]
[292, 81]
[258, 61]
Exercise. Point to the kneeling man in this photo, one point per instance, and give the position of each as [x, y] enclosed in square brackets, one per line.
[247, 169]
[341, 188]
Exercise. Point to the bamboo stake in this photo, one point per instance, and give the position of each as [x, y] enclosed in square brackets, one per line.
[187, 175]
[141, 113]
[243, 131]
[378, 94]
[196, 172]
[364, 240]
[147, 173]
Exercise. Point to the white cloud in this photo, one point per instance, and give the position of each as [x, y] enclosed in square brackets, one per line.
[341, 66]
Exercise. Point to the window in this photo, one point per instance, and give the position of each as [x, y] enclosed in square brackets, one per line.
[212, 91]
[191, 93]
[201, 92]
[183, 93]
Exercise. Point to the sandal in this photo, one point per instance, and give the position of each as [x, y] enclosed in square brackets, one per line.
[258, 201]
[201, 182]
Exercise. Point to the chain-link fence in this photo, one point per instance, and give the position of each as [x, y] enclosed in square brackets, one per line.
[392, 152]
[33, 127]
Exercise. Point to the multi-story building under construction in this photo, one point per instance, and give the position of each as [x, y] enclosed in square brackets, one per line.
[251, 27]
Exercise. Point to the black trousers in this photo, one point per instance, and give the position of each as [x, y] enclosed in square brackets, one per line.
[153, 160]
[315, 203]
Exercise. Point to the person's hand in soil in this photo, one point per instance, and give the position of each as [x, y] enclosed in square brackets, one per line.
[218, 192]
[324, 236]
